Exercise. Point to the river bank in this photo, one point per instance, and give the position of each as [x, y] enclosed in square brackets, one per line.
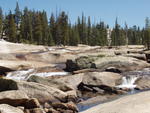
[69, 79]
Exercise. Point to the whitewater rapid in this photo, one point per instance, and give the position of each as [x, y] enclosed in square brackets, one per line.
[25, 74]
[128, 82]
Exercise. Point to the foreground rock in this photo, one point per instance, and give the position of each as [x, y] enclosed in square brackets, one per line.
[14, 98]
[4, 108]
[34, 90]
[51, 82]
[138, 103]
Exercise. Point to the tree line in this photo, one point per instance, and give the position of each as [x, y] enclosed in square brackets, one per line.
[34, 27]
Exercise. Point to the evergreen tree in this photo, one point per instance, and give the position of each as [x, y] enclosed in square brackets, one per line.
[126, 33]
[89, 30]
[37, 29]
[74, 37]
[26, 26]
[102, 37]
[45, 28]
[50, 41]
[63, 22]
[147, 33]
[11, 28]
[83, 36]
[1, 22]
[17, 15]
[52, 27]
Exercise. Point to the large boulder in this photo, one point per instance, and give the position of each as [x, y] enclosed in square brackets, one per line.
[121, 63]
[13, 97]
[137, 56]
[99, 83]
[51, 82]
[4, 108]
[34, 90]
[101, 78]
[80, 63]
[137, 103]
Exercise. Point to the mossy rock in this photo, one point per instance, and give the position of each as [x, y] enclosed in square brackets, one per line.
[7, 84]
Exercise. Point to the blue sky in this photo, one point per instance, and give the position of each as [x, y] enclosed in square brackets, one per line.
[133, 12]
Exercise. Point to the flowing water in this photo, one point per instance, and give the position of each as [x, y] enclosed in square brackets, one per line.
[128, 82]
[25, 74]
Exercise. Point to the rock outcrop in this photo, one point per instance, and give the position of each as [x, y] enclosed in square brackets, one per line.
[102, 63]
[4, 108]
[51, 82]
[137, 103]
[13, 98]
[34, 90]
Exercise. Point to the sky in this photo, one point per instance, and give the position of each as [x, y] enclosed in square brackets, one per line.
[133, 12]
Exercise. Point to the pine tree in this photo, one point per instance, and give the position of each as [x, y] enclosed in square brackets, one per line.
[102, 37]
[74, 37]
[116, 35]
[63, 24]
[147, 33]
[50, 41]
[83, 30]
[89, 30]
[11, 28]
[52, 27]
[17, 15]
[45, 28]
[37, 29]
[26, 26]
[126, 34]
[1, 22]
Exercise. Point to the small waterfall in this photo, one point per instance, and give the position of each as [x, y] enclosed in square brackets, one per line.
[128, 82]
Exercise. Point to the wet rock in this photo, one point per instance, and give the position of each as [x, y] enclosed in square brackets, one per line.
[91, 88]
[4, 108]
